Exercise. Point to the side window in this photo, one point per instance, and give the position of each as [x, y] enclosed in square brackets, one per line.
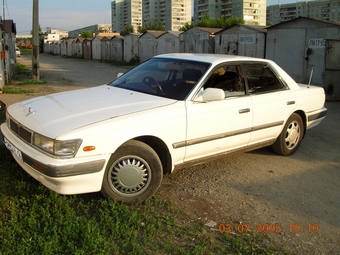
[229, 78]
[261, 79]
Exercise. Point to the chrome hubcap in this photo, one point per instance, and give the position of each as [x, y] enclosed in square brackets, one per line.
[129, 175]
[292, 135]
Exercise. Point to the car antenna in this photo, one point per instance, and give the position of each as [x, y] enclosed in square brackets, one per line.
[310, 77]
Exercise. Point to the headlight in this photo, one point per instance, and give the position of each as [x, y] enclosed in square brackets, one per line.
[63, 149]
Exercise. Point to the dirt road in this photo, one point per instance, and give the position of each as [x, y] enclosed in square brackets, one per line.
[297, 197]
[68, 71]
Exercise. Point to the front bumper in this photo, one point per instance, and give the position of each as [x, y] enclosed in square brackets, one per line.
[64, 176]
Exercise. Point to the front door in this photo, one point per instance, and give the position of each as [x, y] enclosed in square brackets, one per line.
[219, 126]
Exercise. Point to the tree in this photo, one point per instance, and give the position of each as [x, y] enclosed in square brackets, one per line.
[204, 22]
[219, 22]
[128, 29]
[186, 26]
[232, 21]
[155, 25]
[86, 34]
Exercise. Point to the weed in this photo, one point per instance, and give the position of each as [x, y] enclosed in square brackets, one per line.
[16, 90]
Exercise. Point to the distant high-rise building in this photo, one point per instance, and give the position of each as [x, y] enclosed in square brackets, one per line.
[172, 14]
[328, 10]
[126, 13]
[252, 11]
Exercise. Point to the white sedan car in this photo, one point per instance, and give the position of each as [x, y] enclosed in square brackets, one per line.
[172, 111]
[17, 52]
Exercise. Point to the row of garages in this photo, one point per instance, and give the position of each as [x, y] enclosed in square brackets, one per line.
[302, 46]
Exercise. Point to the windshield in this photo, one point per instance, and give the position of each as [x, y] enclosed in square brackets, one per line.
[170, 78]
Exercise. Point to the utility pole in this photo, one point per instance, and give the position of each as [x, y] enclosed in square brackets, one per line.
[2, 51]
[35, 34]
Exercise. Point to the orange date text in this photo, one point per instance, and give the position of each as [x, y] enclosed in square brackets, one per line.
[268, 228]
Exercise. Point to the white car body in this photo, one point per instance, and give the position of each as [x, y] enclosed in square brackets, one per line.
[203, 125]
[17, 52]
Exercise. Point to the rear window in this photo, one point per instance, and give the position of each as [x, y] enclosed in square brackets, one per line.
[260, 79]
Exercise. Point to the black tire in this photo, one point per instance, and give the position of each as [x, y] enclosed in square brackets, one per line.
[133, 173]
[291, 136]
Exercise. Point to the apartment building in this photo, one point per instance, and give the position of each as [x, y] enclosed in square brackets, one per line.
[126, 13]
[252, 11]
[172, 14]
[93, 29]
[327, 10]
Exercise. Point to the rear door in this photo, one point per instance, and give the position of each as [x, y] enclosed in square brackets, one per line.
[272, 101]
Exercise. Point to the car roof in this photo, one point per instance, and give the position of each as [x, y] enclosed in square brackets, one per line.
[211, 58]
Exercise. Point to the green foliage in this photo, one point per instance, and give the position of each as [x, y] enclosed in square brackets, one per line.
[20, 69]
[128, 29]
[86, 34]
[22, 76]
[156, 25]
[25, 51]
[11, 90]
[219, 22]
[233, 21]
[22, 73]
[186, 26]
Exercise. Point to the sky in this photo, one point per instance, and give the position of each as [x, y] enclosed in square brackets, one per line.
[59, 14]
[65, 14]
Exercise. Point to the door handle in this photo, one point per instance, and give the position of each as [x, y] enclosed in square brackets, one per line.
[244, 110]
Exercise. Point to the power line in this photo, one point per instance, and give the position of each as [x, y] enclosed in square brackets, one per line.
[4, 3]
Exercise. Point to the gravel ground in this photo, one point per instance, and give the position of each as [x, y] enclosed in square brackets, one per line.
[297, 198]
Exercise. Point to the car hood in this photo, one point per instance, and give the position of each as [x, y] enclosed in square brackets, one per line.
[56, 114]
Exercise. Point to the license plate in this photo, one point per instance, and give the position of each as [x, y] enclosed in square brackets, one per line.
[13, 149]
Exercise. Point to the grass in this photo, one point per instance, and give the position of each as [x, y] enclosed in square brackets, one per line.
[35, 220]
[25, 51]
[23, 76]
[21, 72]
[23, 84]
[16, 90]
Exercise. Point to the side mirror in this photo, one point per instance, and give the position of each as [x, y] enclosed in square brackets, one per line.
[119, 74]
[213, 94]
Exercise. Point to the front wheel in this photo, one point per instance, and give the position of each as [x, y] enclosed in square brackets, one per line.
[133, 174]
[291, 136]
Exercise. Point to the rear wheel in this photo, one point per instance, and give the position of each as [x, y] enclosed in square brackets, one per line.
[291, 136]
[133, 174]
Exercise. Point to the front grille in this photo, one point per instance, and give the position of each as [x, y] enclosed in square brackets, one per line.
[14, 126]
[21, 131]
